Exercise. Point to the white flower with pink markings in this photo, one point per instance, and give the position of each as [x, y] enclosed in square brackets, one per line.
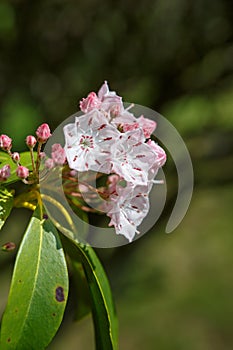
[127, 121]
[109, 139]
[127, 207]
[89, 141]
[131, 158]
[110, 101]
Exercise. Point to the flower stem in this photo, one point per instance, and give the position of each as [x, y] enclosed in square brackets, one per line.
[33, 161]
[38, 159]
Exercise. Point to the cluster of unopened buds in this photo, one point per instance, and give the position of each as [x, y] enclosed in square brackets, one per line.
[106, 139]
[28, 177]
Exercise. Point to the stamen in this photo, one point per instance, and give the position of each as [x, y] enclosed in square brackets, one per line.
[130, 106]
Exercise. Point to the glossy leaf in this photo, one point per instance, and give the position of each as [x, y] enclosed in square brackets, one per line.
[103, 310]
[6, 204]
[38, 291]
[25, 160]
[78, 278]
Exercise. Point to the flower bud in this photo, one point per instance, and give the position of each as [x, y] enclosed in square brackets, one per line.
[73, 173]
[42, 155]
[22, 172]
[89, 103]
[9, 246]
[5, 172]
[5, 142]
[43, 133]
[58, 154]
[15, 157]
[49, 163]
[30, 141]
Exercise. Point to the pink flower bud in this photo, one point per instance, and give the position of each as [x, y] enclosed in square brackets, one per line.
[42, 155]
[15, 157]
[9, 246]
[5, 142]
[30, 141]
[5, 172]
[49, 163]
[83, 188]
[58, 154]
[73, 173]
[22, 172]
[89, 103]
[43, 133]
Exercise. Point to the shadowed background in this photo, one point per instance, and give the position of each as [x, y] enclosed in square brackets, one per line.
[172, 291]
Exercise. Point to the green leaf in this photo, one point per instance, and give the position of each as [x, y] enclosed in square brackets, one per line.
[39, 289]
[103, 310]
[25, 160]
[4, 160]
[82, 302]
[6, 204]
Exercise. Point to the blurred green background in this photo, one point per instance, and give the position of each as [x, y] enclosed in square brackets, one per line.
[172, 291]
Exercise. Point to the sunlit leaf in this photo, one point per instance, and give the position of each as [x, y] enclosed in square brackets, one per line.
[6, 204]
[103, 310]
[39, 289]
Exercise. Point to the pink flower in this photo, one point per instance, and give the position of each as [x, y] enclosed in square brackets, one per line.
[31, 141]
[127, 208]
[89, 103]
[58, 154]
[5, 172]
[22, 172]
[5, 142]
[43, 133]
[15, 157]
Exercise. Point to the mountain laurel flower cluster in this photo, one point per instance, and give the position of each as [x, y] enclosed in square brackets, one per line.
[106, 164]
[109, 139]
[37, 179]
